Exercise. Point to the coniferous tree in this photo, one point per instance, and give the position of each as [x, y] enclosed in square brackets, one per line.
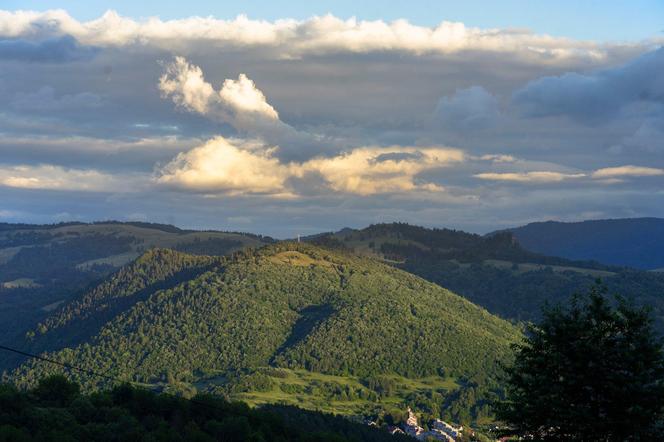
[589, 371]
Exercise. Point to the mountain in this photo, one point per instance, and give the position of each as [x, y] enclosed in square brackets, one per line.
[289, 322]
[42, 266]
[494, 271]
[633, 242]
[394, 241]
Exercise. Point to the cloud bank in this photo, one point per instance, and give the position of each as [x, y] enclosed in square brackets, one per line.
[61, 49]
[292, 38]
[627, 171]
[529, 177]
[50, 177]
[305, 125]
[221, 166]
[597, 95]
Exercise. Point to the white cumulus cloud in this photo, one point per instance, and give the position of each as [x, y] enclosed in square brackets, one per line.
[222, 166]
[238, 102]
[371, 170]
[229, 166]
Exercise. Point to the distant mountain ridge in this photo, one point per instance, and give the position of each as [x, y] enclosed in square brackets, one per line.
[495, 271]
[401, 240]
[632, 242]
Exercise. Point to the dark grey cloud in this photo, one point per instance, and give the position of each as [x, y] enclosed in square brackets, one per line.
[45, 100]
[596, 96]
[398, 156]
[53, 50]
[468, 109]
[648, 137]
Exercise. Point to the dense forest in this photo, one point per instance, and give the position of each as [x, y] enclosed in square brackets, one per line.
[495, 271]
[44, 266]
[56, 410]
[289, 305]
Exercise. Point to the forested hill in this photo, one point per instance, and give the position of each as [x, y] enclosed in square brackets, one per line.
[82, 317]
[636, 242]
[494, 271]
[396, 241]
[43, 266]
[282, 322]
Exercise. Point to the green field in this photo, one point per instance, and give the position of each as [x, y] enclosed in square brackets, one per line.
[530, 267]
[346, 395]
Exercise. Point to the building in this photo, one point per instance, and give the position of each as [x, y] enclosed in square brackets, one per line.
[440, 430]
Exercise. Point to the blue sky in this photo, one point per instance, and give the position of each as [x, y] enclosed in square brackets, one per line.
[607, 20]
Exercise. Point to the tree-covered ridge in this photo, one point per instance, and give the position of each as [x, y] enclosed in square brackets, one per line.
[398, 241]
[634, 242]
[56, 410]
[45, 266]
[154, 270]
[365, 319]
[494, 271]
[511, 292]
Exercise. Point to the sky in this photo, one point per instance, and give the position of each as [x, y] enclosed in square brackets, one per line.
[288, 118]
[614, 20]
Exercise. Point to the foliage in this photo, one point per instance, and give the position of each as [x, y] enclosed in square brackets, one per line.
[211, 246]
[60, 262]
[287, 305]
[587, 372]
[519, 295]
[50, 261]
[400, 240]
[55, 410]
[155, 270]
[468, 265]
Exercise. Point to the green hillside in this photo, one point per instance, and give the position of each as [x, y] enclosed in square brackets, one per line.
[495, 271]
[43, 266]
[262, 319]
[83, 316]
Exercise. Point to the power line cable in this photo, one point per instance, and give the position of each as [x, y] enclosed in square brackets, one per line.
[62, 364]
[93, 373]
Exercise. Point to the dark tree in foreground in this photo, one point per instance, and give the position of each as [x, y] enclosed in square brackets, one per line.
[590, 371]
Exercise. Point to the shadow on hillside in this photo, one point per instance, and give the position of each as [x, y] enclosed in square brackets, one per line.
[309, 318]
